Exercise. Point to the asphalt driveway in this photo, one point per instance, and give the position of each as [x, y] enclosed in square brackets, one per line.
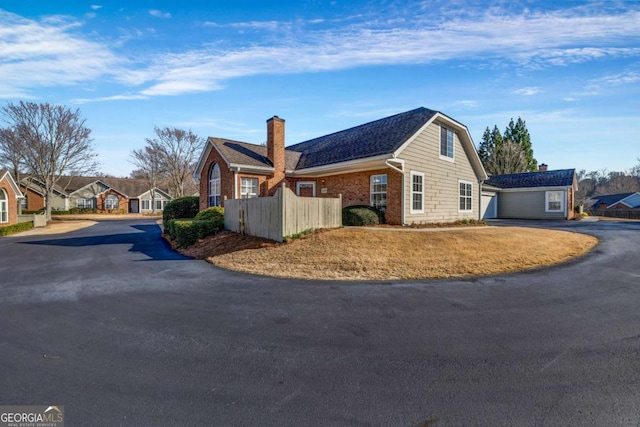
[112, 324]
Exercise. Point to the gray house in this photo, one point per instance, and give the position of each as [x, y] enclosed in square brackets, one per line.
[530, 195]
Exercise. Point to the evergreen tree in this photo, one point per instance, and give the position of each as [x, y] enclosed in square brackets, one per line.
[486, 146]
[518, 133]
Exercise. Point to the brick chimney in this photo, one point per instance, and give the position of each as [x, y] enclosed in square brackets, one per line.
[275, 149]
[543, 167]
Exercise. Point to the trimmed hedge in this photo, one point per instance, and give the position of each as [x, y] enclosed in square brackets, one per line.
[182, 208]
[29, 212]
[362, 215]
[16, 228]
[187, 231]
[214, 213]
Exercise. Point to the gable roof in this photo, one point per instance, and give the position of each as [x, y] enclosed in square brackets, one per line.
[371, 139]
[374, 140]
[554, 178]
[5, 175]
[128, 187]
[246, 154]
[610, 199]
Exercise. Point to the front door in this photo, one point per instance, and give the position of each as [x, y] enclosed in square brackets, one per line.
[306, 189]
[133, 206]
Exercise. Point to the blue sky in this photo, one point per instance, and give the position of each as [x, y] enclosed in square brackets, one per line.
[570, 69]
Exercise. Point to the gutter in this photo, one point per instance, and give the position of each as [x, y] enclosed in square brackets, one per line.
[402, 199]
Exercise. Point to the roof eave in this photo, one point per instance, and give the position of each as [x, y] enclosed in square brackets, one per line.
[367, 163]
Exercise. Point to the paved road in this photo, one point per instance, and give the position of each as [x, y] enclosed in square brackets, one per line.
[110, 323]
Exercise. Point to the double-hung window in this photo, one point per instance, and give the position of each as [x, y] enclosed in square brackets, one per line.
[84, 203]
[379, 191]
[417, 192]
[554, 201]
[146, 205]
[248, 188]
[466, 196]
[446, 143]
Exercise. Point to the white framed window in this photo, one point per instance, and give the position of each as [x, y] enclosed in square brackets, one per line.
[111, 202]
[379, 191]
[304, 187]
[159, 205]
[214, 185]
[84, 203]
[146, 205]
[248, 188]
[554, 201]
[446, 143]
[4, 211]
[466, 196]
[24, 203]
[417, 192]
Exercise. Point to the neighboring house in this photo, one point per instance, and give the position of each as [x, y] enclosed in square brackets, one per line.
[10, 197]
[33, 199]
[624, 201]
[101, 193]
[417, 166]
[530, 195]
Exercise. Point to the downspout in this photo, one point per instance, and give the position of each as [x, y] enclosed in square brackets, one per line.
[386, 162]
[235, 182]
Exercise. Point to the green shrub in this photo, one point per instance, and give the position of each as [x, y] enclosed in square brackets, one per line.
[54, 212]
[75, 211]
[362, 215]
[187, 231]
[184, 207]
[214, 213]
[30, 212]
[16, 228]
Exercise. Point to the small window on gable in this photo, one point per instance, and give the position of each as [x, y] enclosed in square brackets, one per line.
[554, 201]
[446, 143]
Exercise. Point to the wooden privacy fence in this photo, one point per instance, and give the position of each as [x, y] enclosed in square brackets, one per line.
[282, 215]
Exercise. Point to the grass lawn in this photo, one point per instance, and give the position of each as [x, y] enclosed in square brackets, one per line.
[383, 254]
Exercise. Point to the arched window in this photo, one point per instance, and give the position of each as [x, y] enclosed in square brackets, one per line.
[4, 212]
[214, 185]
[111, 202]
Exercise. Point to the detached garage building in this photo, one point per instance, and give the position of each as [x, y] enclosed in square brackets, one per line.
[530, 195]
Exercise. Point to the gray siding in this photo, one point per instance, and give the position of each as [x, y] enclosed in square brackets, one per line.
[526, 205]
[90, 192]
[441, 178]
[147, 198]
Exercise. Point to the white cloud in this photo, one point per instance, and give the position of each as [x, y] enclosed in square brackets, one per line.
[46, 53]
[159, 14]
[467, 103]
[96, 7]
[526, 91]
[108, 98]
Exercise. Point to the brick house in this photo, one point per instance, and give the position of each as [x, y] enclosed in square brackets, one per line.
[125, 195]
[10, 196]
[417, 166]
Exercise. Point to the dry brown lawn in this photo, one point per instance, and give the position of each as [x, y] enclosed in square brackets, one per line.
[383, 254]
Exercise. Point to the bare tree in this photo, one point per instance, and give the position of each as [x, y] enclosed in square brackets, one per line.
[180, 150]
[55, 142]
[11, 152]
[509, 157]
[150, 165]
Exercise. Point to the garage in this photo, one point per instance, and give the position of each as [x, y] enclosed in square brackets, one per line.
[489, 205]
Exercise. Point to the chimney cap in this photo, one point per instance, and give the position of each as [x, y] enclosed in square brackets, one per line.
[275, 118]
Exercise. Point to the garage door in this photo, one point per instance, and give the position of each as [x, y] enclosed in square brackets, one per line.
[489, 205]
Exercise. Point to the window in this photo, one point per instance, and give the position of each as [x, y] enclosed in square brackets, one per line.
[24, 203]
[146, 205]
[248, 188]
[466, 196]
[84, 203]
[214, 185]
[111, 202]
[4, 212]
[446, 143]
[158, 205]
[417, 192]
[554, 201]
[379, 191]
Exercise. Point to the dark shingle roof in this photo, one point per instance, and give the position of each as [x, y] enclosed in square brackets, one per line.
[368, 140]
[609, 199]
[129, 187]
[244, 153]
[555, 178]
